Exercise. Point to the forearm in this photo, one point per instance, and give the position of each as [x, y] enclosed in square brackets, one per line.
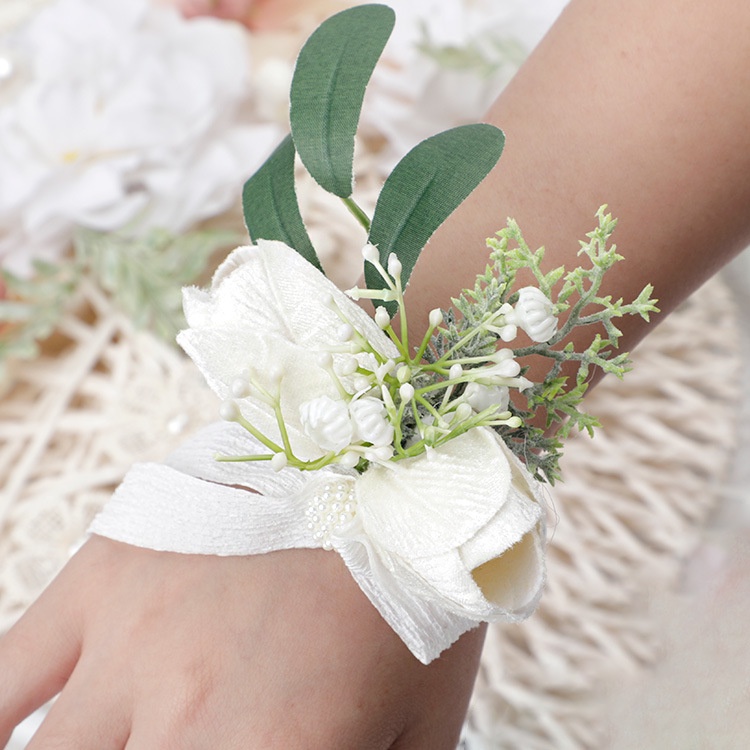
[642, 106]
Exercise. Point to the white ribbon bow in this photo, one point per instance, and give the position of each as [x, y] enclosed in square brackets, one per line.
[438, 542]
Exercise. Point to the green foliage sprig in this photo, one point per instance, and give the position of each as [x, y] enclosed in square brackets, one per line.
[438, 390]
[474, 333]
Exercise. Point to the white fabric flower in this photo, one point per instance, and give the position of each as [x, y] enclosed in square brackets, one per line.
[121, 113]
[266, 312]
[370, 422]
[533, 313]
[327, 423]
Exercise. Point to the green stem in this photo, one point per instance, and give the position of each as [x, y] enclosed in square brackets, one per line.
[256, 433]
[282, 430]
[357, 213]
[430, 408]
[255, 457]
[423, 346]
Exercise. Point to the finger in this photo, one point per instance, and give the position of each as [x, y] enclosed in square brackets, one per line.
[37, 656]
[91, 713]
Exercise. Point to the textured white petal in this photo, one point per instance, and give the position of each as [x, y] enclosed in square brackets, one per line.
[269, 285]
[425, 626]
[498, 573]
[436, 501]
[266, 311]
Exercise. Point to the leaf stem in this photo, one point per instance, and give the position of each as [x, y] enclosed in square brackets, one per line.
[357, 213]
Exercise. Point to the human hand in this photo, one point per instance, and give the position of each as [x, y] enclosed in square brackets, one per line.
[163, 650]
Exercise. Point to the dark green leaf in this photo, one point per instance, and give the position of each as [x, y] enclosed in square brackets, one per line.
[425, 187]
[332, 72]
[269, 202]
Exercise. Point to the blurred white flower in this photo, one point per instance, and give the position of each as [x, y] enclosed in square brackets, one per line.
[121, 114]
[446, 63]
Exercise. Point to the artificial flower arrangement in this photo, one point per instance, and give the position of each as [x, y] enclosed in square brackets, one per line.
[416, 461]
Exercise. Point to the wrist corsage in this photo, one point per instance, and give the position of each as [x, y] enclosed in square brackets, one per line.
[417, 461]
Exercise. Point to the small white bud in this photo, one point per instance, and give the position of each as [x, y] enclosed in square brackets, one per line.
[481, 397]
[349, 460]
[507, 369]
[455, 372]
[327, 300]
[403, 373]
[370, 421]
[406, 391]
[228, 411]
[325, 360]
[394, 266]
[382, 318]
[534, 313]
[347, 366]
[508, 333]
[381, 453]
[279, 461]
[362, 383]
[462, 413]
[326, 422]
[275, 374]
[345, 332]
[502, 355]
[370, 253]
[514, 422]
[524, 383]
[436, 317]
[353, 293]
[240, 388]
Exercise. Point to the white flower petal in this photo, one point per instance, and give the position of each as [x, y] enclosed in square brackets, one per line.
[221, 354]
[270, 285]
[437, 501]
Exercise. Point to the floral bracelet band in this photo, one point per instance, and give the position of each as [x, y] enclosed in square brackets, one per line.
[438, 542]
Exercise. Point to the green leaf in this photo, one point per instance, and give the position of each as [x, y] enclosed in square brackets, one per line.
[424, 189]
[269, 202]
[332, 72]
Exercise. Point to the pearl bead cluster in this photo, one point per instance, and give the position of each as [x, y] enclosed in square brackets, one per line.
[330, 508]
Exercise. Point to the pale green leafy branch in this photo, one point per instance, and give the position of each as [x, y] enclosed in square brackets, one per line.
[31, 308]
[473, 333]
[143, 274]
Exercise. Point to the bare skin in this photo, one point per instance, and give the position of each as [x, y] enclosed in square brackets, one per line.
[638, 104]
[157, 650]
